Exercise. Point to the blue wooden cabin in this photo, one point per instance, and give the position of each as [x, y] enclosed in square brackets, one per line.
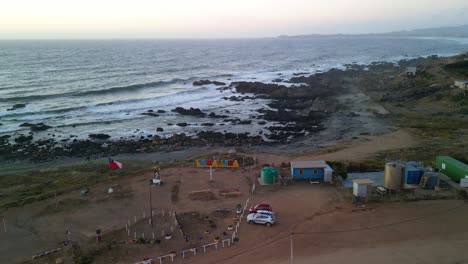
[317, 170]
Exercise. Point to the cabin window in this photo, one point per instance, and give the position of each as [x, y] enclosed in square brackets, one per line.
[315, 171]
[301, 172]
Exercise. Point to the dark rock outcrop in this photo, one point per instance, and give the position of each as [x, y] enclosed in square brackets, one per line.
[16, 106]
[245, 122]
[206, 82]
[207, 124]
[150, 113]
[36, 127]
[213, 115]
[99, 136]
[192, 111]
[23, 139]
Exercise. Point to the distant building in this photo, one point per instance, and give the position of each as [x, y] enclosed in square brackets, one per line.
[410, 71]
[317, 170]
[462, 84]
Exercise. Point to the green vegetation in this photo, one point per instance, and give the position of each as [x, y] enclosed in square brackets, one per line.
[442, 126]
[15, 167]
[460, 98]
[339, 168]
[23, 188]
[64, 205]
[460, 67]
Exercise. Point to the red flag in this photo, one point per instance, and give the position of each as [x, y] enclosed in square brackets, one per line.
[115, 164]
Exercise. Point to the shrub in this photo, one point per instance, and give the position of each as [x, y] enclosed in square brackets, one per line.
[340, 168]
[85, 260]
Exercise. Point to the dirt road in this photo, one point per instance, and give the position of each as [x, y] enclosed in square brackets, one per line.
[422, 232]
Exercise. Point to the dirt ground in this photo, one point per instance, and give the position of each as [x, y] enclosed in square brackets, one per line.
[41, 226]
[420, 232]
[365, 147]
[326, 227]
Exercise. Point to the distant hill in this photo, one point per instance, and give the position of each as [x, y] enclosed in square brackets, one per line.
[452, 32]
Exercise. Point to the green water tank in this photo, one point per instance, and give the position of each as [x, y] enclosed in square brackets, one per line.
[451, 167]
[269, 175]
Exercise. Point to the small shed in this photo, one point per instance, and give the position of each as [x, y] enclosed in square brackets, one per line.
[410, 71]
[362, 187]
[461, 84]
[311, 170]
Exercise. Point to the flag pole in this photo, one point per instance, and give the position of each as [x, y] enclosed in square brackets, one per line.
[211, 173]
[151, 204]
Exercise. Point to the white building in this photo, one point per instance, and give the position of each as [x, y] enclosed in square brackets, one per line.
[462, 84]
[362, 187]
[410, 71]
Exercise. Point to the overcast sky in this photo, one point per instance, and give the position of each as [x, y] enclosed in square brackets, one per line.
[220, 18]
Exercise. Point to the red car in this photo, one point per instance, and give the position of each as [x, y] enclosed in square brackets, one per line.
[260, 207]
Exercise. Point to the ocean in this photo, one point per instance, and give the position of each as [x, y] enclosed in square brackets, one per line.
[103, 86]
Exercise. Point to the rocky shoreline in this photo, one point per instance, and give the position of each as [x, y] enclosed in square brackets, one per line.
[296, 112]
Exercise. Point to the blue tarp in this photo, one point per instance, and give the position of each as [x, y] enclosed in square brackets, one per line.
[376, 177]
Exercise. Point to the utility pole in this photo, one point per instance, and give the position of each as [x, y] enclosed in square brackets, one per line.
[254, 160]
[292, 250]
[211, 173]
[4, 224]
[151, 203]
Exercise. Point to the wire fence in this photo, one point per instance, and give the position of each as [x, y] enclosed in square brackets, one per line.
[203, 248]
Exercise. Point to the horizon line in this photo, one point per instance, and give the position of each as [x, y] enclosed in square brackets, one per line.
[231, 38]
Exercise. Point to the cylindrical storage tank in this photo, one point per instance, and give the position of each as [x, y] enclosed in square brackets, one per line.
[269, 175]
[413, 172]
[451, 167]
[393, 175]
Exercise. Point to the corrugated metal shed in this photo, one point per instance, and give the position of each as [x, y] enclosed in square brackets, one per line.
[308, 164]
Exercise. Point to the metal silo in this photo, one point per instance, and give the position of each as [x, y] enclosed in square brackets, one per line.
[393, 175]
